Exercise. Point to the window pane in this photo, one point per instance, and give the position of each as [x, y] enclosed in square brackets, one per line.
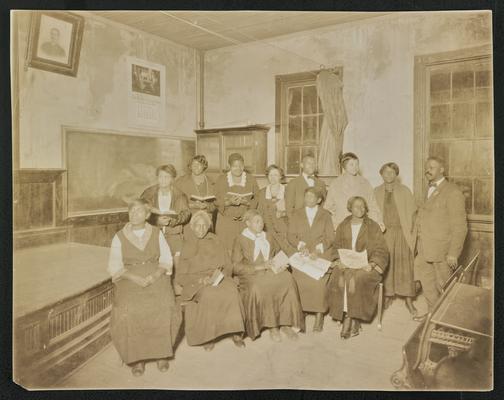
[440, 121]
[483, 79]
[440, 87]
[292, 160]
[462, 85]
[320, 122]
[483, 119]
[441, 150]
[309, 151]
[465, 186]
[482, 158]
[463, 120]
[309, 130]
[483, 200]
[460, 158]
[294, 129]
[294, 101]
[310, 100]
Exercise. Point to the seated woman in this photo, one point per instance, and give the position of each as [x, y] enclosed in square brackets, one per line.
[236, 192]
[353, 293]
[196, 185]
[165, 198]
[271, 205]
[310, 232]
[271, 299]
[210, 311]
[145, 320]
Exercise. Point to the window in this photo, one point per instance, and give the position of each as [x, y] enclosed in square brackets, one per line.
[298, 120]
[458, 126]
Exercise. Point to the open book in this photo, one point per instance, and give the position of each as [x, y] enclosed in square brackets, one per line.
[353, 259]
[315, 269]
[280, 261]
[202, 198]
[233, 194]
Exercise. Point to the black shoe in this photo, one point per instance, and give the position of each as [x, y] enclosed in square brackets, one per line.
[356, 327]
[346, 327]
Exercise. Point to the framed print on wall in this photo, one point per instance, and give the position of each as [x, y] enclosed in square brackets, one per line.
[55, 42]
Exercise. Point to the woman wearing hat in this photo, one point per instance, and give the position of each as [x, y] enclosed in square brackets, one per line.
[349, 184]
[236, 192]
[170, 211]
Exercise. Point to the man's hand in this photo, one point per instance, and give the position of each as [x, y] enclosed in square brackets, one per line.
[452, 262]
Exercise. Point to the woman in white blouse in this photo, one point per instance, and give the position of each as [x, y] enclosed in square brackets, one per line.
[145, 320]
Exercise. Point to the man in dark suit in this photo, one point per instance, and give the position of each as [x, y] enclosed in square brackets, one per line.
[295, 190]
[440, 231]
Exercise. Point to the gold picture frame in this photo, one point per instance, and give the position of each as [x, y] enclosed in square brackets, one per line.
[55, 42]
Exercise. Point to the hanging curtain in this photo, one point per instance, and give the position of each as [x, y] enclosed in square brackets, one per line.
[330, 92]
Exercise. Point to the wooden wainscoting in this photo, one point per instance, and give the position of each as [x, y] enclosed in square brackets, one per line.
[97, 229]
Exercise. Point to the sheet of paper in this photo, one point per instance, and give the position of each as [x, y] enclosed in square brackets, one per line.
[217, 278]
[279, 262]
[316, 269]
[353, 259]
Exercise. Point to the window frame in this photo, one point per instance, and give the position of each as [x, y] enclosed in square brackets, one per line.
[422, 68]
[282, 83]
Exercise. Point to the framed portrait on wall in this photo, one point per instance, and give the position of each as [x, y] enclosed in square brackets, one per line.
[55, 42]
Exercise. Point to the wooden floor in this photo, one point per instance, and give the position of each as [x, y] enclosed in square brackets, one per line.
[315, 361]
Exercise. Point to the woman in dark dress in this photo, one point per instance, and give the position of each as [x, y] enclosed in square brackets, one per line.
[271, 205]
[198, 184]
[311, 233]
[165, 198]
[145, 320]
[210, 311]
[236, 192]
[270, 298]
[353, 293]
[398, 207]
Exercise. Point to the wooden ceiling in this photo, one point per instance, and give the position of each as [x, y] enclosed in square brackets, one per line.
[205, 30]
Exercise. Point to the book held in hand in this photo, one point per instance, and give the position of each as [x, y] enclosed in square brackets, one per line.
[280, 261]
[241, 195]
[353, 259]
[315, 269]
[217, 277]
[202, 198]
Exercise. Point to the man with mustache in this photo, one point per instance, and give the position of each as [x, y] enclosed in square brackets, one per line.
[440, 230]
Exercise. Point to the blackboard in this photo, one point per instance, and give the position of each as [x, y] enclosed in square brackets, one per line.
[105, 170]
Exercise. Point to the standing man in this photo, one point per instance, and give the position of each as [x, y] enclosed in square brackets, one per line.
[295, 190]
[440, 231]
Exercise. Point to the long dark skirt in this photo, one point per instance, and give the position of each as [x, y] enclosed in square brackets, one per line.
[399, 276]
[214, 312]
[227, 230]
[362, 293]
[312, 292]
[270, 301]
[145, 321]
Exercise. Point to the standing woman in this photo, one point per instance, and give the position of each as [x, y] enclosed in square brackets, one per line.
[197, 183]
[145, 320]
[165, 197]
[398, 208]
[271, 205]
[348, 185]
[236, 192]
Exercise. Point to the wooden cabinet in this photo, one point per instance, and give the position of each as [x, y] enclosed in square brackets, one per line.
[217, 144]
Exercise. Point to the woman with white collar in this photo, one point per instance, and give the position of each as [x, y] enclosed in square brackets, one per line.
[311, 233]
[270, 296]
[271, 205]
[236, 192]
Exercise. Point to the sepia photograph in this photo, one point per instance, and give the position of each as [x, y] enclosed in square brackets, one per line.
[243, 200]
[54, 43]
